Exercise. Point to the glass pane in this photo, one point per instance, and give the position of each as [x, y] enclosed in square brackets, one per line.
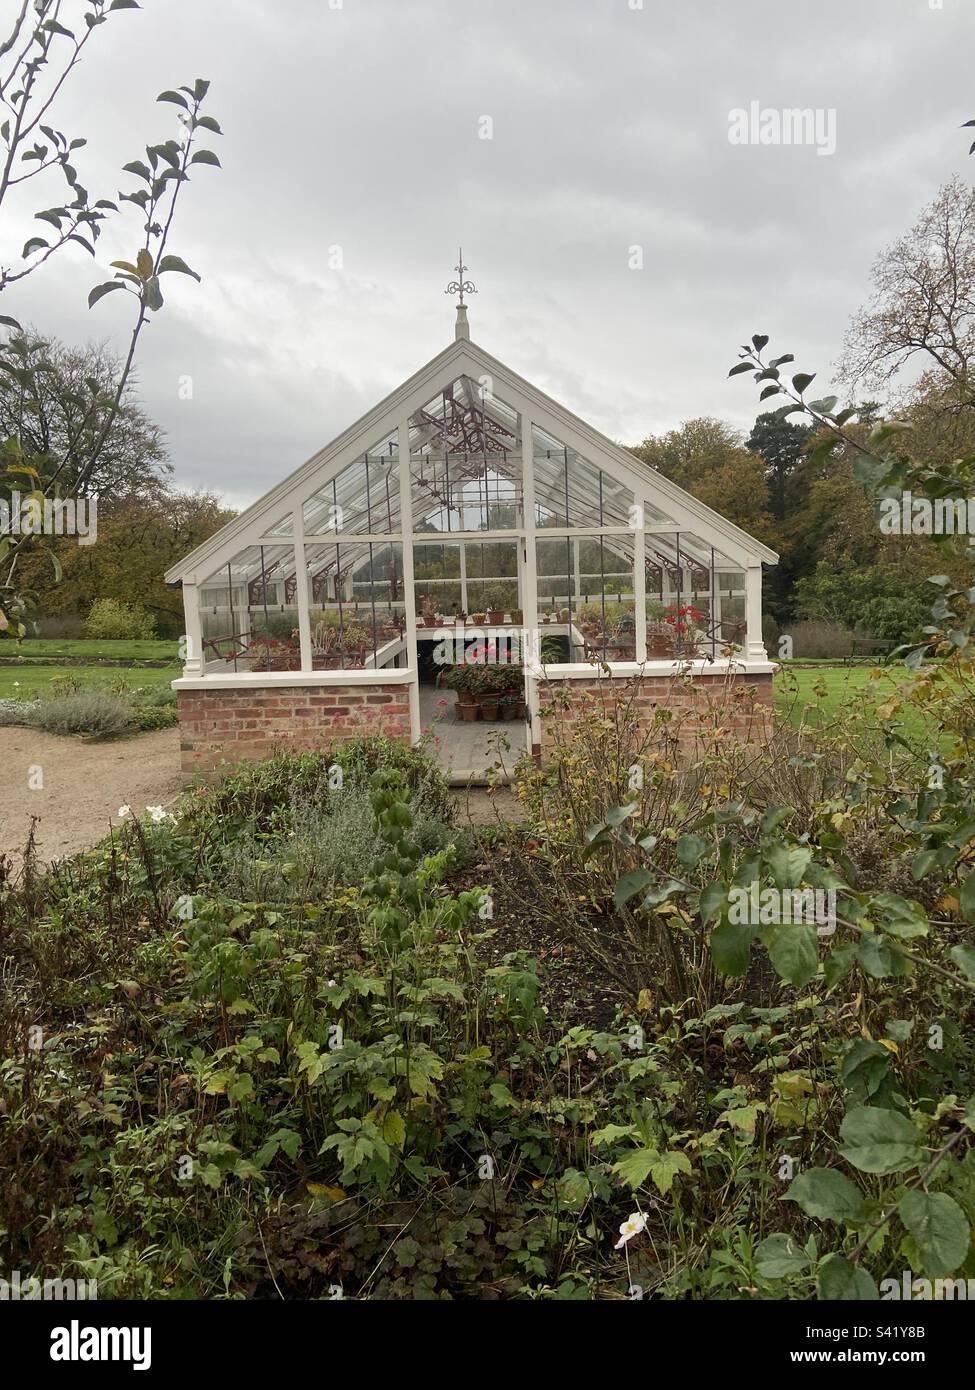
[465, 461]
[358, 608]
[571, 491]
[362, 498]
[586, 595]
[249, 614]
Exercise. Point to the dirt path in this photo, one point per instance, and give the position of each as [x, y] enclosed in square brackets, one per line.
[84, 784]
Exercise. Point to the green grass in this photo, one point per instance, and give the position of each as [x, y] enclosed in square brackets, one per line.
[131, 650]
[26, 682]
[844, 688]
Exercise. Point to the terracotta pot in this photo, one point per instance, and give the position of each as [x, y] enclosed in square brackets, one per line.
[509, 708]
[468, 712]
[466, 697]
[495, 617]
[489, 706]
[429, 622]
[517, 617]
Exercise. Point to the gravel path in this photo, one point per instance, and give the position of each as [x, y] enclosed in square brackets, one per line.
[84, 784]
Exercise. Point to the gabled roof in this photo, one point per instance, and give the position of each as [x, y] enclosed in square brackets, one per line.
[462, 357]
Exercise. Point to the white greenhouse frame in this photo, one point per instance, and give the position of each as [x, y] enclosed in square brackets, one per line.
[665, 521]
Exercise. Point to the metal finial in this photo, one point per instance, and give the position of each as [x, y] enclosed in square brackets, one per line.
[460, 286]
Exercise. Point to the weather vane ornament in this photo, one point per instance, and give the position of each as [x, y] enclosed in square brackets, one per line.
[461, 286]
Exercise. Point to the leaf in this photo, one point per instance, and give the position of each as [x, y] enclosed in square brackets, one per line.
[742, 367]
[154, 299]
[879, 1141]
[801, 380]
[827, 1195]
[842, 1281]
[394, 1129]
[793, 950]
[779, 1255]
[966, 898]
[101, 290]
[759, 341]
[690, 848]
[7, 322]
[175, 98]
[666, 1168]
[205, 157]
[939, 1227]
[635, 1166]
[176, 263]
[631, 884]
[964, 958]
[731, 944]
[788, 864]
[143, 263]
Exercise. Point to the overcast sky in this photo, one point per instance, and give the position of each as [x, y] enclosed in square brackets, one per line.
[359, 125]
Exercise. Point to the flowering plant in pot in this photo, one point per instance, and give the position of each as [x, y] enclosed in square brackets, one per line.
[511, 683]
[684, 622]
[428, 611]
[463, 680]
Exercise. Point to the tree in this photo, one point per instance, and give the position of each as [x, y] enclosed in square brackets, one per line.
[923, 302]
[43, 385]
[707, 459]
[42, 50]
[139, 540]
[780, 444]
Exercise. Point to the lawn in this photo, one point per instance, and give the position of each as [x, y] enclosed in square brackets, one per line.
[24, 682]
[822, 694]
[60, 647]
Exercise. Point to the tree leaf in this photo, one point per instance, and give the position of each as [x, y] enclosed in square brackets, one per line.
[879, 1141]
[176, 263]
[205, 157]
[793, 950]
[731, 944]
[842, 1281]
[100, 290]
[175, 98]
[779, 1255]
[630, 884]
[939, 1226]
[827, 1195]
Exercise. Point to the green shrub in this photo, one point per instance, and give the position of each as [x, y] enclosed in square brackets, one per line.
[147, 718]
[111, 620]
[98, 713]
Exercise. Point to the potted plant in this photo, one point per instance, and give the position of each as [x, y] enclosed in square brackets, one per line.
[464, 679]
[479, 619]
[512, 681]
[494, 598]
[428, 611]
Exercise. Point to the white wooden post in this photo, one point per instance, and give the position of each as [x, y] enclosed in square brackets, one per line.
[754, 645]
[529, 597]
[409, 596]
[193, 662]
[640, 589]
[302, 588]
[463, 577]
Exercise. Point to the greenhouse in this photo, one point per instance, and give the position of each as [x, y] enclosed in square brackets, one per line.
[468, 535]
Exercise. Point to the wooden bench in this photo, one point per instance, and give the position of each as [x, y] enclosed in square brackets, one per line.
[870, 646]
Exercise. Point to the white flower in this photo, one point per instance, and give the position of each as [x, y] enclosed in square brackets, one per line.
[123, 811]
[631, 1227]
[157, 814]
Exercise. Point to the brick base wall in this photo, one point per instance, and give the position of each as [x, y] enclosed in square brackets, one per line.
[701, 705]
[230, 724]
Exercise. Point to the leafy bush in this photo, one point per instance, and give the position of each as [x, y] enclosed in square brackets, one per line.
[112, 620]
[98, 713]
